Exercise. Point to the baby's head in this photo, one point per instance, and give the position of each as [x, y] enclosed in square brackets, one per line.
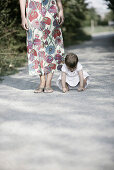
[71, 61]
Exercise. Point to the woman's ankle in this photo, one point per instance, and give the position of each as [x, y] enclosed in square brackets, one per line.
[42, 84]
[48, 86]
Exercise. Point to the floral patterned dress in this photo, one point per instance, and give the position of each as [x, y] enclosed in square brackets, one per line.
[45, 48]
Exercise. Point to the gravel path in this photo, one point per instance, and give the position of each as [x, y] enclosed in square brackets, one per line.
[72, 131]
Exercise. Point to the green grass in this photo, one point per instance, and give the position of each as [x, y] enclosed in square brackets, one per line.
[99, 29]
[9, 63]
[12, 51]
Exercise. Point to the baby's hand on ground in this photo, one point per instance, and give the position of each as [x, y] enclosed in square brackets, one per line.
[81, 89]
[64, 90]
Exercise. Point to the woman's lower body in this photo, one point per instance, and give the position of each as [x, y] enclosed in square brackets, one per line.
[45, 49]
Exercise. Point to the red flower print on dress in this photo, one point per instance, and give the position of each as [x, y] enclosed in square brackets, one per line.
[27, 4]
[30, 44]
[56, 32]
[39, 5]
[58, 51]
[49, 59]
[35, 24]
[42, 25]
[36, 64]
[40, 46]
[43, 11]
[33, 15]
[55, 15]
[58, 58]
[47, 69]
[47, 20]
[53, 2]
[46, 42]
[27, 49]
[31, 58]
[37, 41]
[41, 54]
[58, 40]
[52, 66]
[52, 9]
[46, 32]
[38, 71]
[37, 36]
[56, 23]
[41, 64]
[33, 52]
[32, 5]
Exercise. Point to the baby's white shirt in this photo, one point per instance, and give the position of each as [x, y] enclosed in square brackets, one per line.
[72, 78]
[69, 73]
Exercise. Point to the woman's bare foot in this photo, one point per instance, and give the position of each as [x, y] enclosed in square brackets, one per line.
[41, 87]
[39, 90]
[48, 90]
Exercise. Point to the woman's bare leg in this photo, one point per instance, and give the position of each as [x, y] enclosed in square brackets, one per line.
[42, 81]
[42, 84]
[48, 88]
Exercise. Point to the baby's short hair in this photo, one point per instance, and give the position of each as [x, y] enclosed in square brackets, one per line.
[71, 60]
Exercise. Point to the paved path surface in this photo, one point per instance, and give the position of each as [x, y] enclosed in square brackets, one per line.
[73, 131]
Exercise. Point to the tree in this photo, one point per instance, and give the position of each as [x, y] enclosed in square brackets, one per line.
[110, 4]
[90, 15]
[74, 11]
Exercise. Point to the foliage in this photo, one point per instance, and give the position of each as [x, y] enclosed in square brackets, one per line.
[110, 4]
[109, 16]
[90, 15]
[74, 12]
[12, 38]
